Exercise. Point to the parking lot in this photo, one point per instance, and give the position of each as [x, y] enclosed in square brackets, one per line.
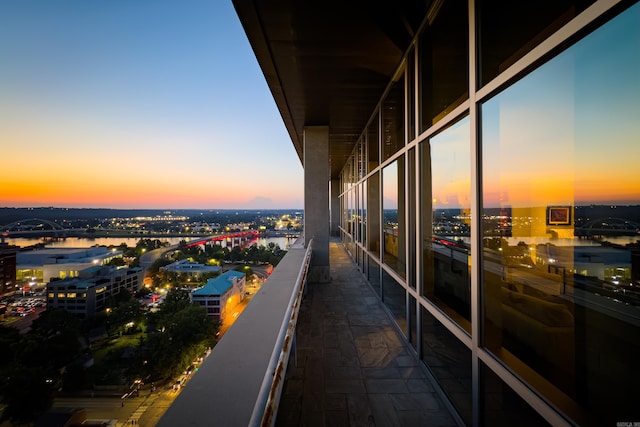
[18, 308]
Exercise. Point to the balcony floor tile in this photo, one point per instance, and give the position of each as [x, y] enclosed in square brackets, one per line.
[353, 367]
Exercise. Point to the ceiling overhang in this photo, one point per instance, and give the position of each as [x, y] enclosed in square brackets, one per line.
[329, 62]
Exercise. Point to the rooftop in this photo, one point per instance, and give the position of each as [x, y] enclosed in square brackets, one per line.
[220, 284]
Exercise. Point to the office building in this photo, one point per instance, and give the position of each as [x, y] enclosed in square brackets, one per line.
[39, 266]
[192, 268]
[464, 152]
[7, 268]
[89, 293]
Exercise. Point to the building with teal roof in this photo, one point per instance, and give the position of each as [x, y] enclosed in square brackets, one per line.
[221, 294]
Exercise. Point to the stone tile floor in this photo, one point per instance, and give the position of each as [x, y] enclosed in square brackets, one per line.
[353, 368]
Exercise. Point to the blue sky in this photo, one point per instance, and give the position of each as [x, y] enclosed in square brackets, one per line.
[138, 104]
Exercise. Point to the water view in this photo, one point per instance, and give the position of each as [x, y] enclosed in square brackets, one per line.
[80, 242]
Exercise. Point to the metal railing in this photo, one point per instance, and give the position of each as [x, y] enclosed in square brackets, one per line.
[240, 383]
[266, 408]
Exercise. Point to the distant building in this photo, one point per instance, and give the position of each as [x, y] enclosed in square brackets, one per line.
[42, 265]
[88, 293]
[221, 294]
[193, 268]
[7, 268]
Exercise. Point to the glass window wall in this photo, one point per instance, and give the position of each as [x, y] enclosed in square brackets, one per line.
[561, 215]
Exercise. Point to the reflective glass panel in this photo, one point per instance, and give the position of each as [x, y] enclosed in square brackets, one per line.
[373, 144]
[449, 361]
[373, 213]
[363, 203]
[446, 204]
[510, 29]
[393, 119]
[500, 406]
[561, 218]
[443, 59]
[374, 276]
[394, 253]
[411, 217]
[394, 297]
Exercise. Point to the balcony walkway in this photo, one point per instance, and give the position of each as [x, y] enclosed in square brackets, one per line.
[353, 367]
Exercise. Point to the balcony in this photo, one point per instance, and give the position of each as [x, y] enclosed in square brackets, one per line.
[349, 364]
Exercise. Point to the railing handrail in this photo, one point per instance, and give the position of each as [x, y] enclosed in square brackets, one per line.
[236, 379]
[266, 406]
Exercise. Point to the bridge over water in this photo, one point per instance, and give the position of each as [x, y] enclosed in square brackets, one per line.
[232, 239]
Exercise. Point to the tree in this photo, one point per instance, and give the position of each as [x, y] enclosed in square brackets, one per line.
[123, 314]
[185, 332]
[157, 265]
[9, 338]
[53, 341]
[27, 393]
[176, 300]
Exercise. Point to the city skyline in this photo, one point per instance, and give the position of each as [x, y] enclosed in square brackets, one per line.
[149, 104]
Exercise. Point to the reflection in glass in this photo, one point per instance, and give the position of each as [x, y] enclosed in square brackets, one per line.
[363, 203]
[561, 215]
[373, 213]
[394, 297]
[449, 361]
[411, 217]
[413, 322]
[359, 213]
[373, 143]
[351, 211]
[446, 203]
[394, 250]
[411, 95]
[501, 407]
[443, 59]
[393, 119]
[374, 276]
[527, 23]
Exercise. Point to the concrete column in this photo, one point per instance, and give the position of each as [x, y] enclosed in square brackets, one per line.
[335, 207]
[316, 200]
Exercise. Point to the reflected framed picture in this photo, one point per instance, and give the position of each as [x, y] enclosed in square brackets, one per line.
[559, 215]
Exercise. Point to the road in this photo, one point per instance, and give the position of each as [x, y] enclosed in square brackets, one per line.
[145, 410]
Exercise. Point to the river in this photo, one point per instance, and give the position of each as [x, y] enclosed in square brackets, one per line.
[81, 242]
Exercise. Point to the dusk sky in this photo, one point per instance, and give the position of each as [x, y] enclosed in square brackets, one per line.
[137, 104]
